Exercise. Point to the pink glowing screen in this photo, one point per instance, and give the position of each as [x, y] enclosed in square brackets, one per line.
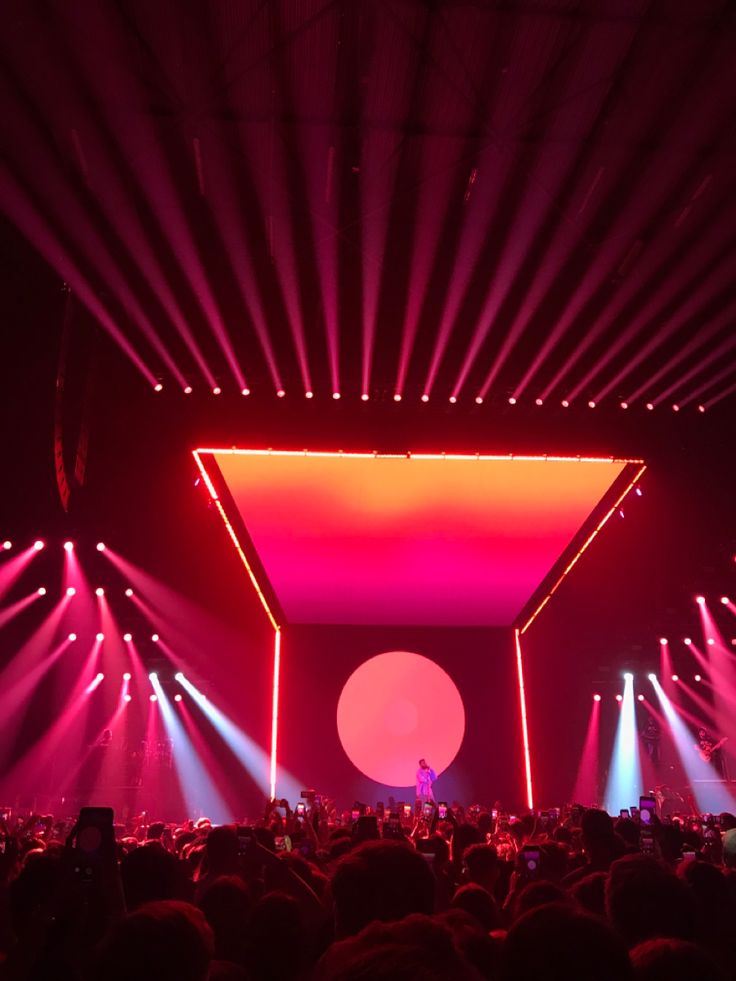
[434, 541]
[395, 708]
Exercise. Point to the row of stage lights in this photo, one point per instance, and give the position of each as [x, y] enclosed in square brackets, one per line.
[99, 637]
[152, 677]
[597, 697]
[39, 545]
[452, 399]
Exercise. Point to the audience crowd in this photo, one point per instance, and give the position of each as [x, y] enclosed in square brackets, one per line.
[402, 893]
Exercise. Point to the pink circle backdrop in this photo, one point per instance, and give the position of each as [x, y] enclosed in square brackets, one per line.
[395, 709]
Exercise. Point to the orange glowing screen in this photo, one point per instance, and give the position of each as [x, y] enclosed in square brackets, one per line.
[364, 539]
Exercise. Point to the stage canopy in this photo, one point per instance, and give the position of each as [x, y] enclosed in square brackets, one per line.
[341, 538]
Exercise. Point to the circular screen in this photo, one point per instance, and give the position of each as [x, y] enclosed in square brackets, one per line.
[395, 709]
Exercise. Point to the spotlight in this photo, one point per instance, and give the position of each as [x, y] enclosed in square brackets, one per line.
[663, 641]
[640, 698]
[127, 638]
[217, 390]
[619, 698]
[675, 677]
[512, 400]
[711, 641]
[591, 404]
[100, 546]
[177, 697]
[698, 677]
[41, 590]
[365, 396]
[245, 391]
[187, 389]
[100, 636]
[126, 676]
[596, 697]
[397, 397]
[479, 400]
[701, 408]
[725, 600]
[624, 405]
[309, 395]
[127, 697]
[675, 407]
[453, 399]
[425, 397]
[688, 641]
[153, 698]
[336, 395]
[99, 591]
[650, 406]
[280, 394]
[700, 599]
[69, 546]
[100, 676]
[72, 637]
[7, 545]
[38, 545]
[628, 676]
[178, 676]
[539, 401]
[565, 404]
[639, 492]
[155, 638]
[128, 592]
[153, 676]
[158, 387]
[652, 676]
[71, 591]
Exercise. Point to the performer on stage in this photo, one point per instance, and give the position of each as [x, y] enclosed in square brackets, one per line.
[651, 736]
[425, 778]
[710, 751]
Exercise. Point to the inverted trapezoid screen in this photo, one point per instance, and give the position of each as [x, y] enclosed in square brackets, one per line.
[437, 541]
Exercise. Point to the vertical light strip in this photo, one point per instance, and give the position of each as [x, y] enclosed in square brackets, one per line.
[524, 726]
[275, 709]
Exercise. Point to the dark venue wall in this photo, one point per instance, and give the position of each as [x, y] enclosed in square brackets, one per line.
[317, 661]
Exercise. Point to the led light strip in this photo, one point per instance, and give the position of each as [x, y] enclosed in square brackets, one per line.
[232, 451]
[275, 709]
[524, 725]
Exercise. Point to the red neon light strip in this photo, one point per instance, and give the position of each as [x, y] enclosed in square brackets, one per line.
[585, 545]
[524, 726]
[231, 531]
[275, 709]
[231, 451]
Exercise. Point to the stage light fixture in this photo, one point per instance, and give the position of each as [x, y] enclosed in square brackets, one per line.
[640, 698]
[7, 545]
[539, 401]
[99, 591]
[479, 400]
[675, 407]
[153, 698]
[217, 390]
[364, 397]
[100, 676]
[701, 408]
[565, 404]
[127, 697]
[397, 397]
[38, 545]
[187, 389]
[280, 394]
[591, 404]
[663, 641]
[71, 591]
[512, 400]
[128, 592]
[688, 641]
[100, 546]
[127, 638]
[652, 676]
[725, 600]
[639, 492]
[309, 395]
[245, 391]
[596, 697]
[126, 676]
[177, 697]
[155, 638]
[41, 590]
[710, 641]
[649, 406]
[624, 405]
[628, 676]
[179, 676]
[700, 599]
[72, 637]
[336, 395]
[425, 397]
[99, 636]
[619, 698]
[158, 387]
[68, 546]
[675, 677]
[453, 399]
[153, 676]
[698, 677]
